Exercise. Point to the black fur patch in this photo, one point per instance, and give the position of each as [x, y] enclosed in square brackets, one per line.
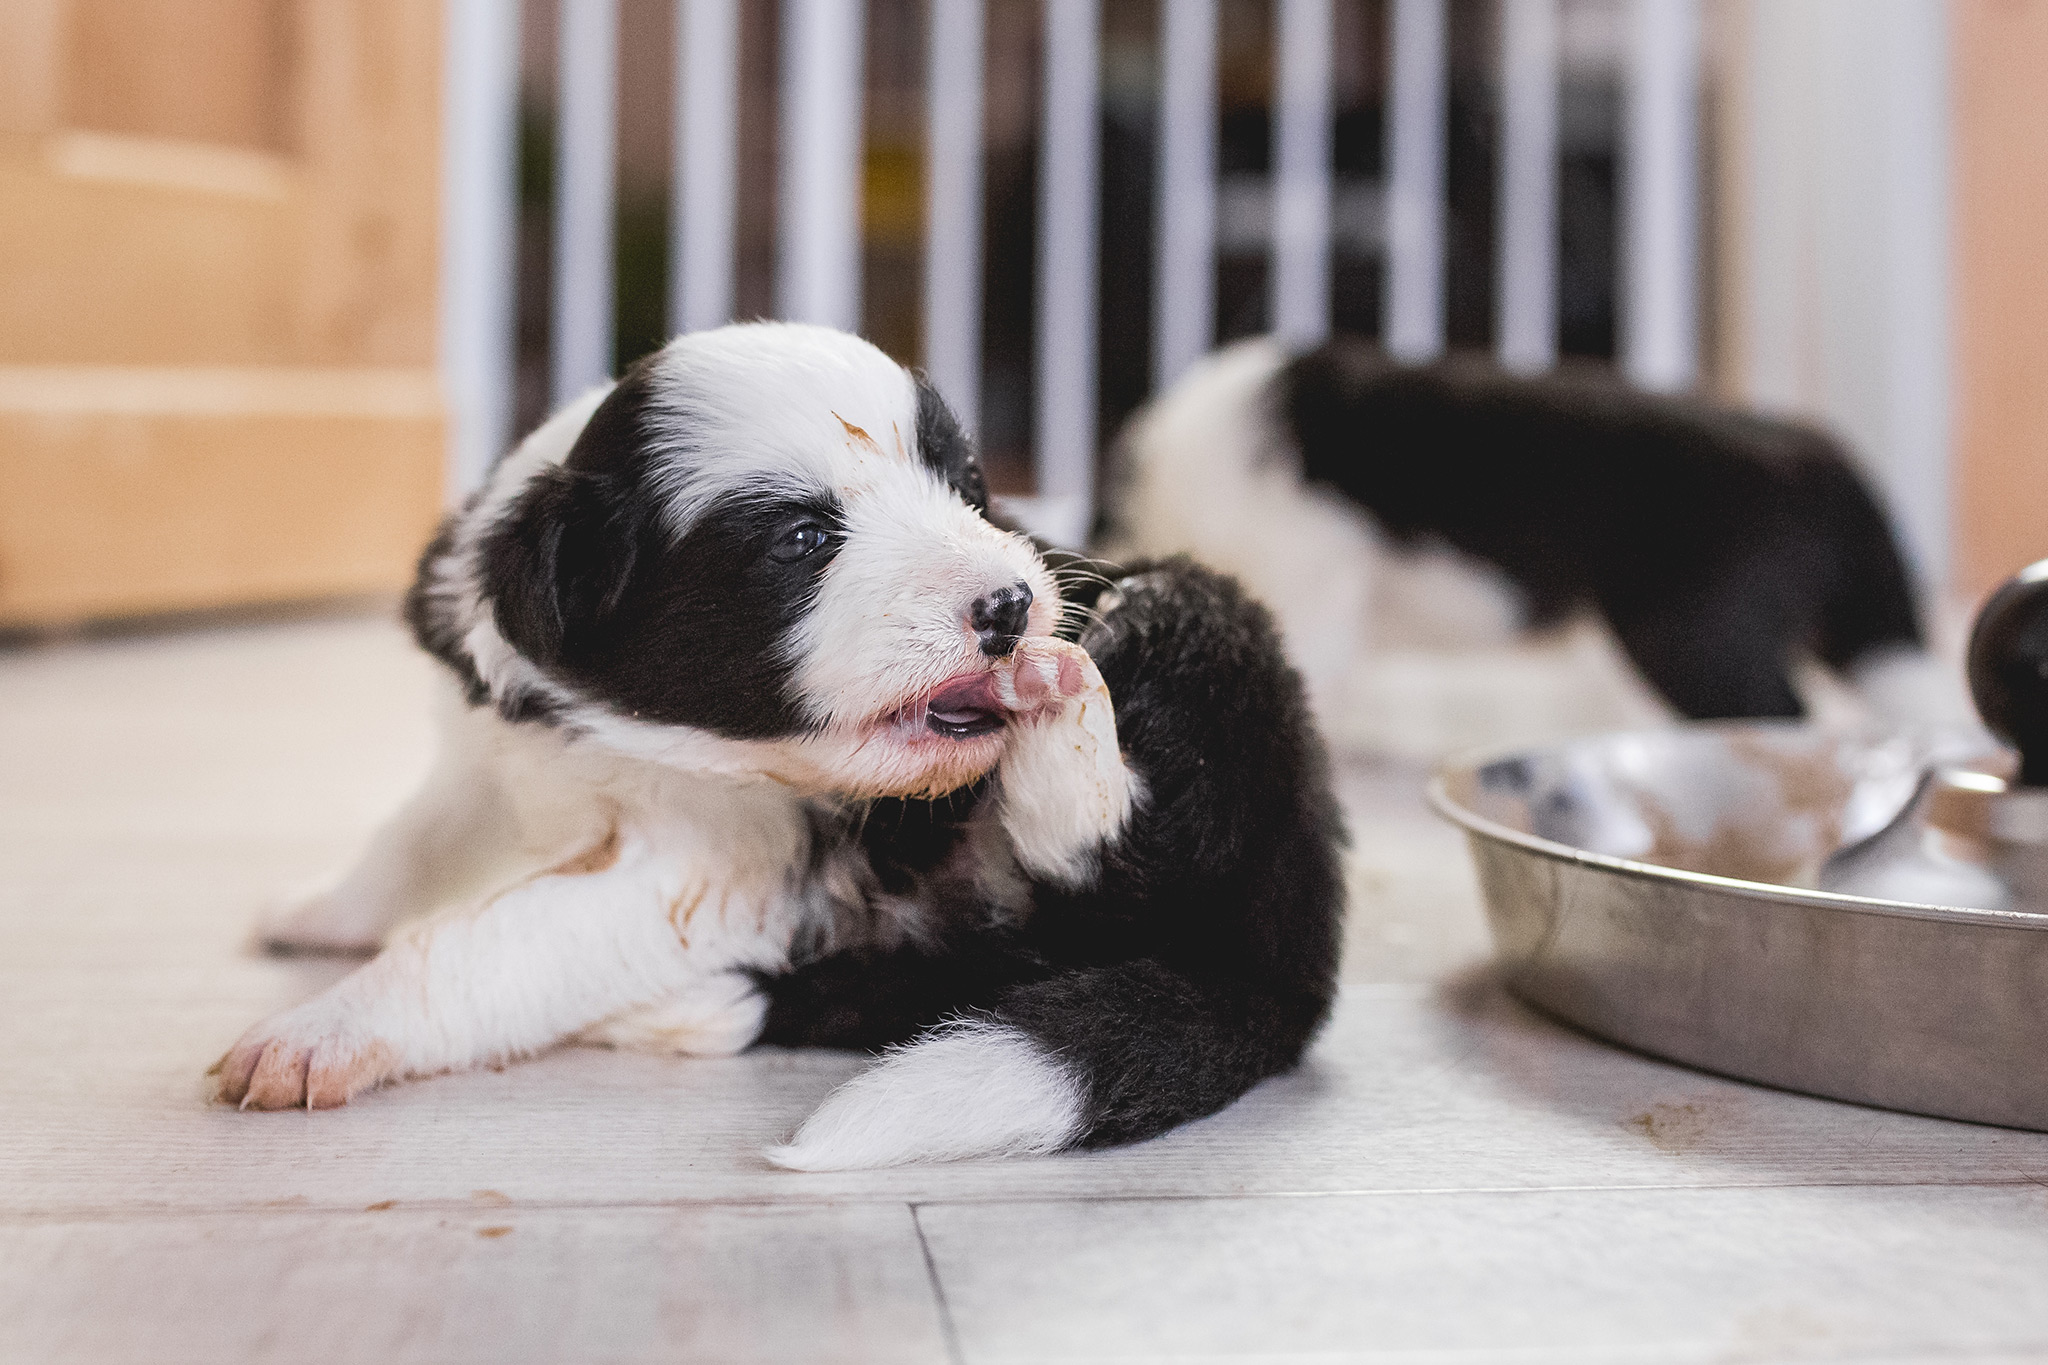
[943, 446]
[1717, 544]
[587, 582]
[868, 992]
[432, 616]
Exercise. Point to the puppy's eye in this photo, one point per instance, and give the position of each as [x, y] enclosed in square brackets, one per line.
[800, 540]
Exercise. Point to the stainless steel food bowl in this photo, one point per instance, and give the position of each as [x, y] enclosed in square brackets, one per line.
[1657, 889]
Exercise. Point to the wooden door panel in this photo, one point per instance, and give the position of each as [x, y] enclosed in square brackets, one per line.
[188, 185]
[1998, 57]
[216, 71]
[110, 259]
[137, 490]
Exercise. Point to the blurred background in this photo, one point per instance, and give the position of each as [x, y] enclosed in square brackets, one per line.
[280, 278]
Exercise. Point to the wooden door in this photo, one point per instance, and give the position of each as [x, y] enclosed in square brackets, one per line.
[1998, 56]
[217, 301]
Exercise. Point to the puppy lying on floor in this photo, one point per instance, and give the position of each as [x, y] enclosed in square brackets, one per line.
[759, 729]
[1452, 507]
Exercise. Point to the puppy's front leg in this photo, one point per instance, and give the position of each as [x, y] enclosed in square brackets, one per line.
[1064, 789]
[443, 845]
[470, 985]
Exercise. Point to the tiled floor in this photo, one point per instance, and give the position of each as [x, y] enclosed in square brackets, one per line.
[1450, 1178]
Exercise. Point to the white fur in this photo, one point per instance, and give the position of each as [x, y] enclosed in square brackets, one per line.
[972, 1089]
[655, 887]
[792, 396]
[888, 616]
[1065, 792]
[718, 1017]
[461, 829]
[618, 881]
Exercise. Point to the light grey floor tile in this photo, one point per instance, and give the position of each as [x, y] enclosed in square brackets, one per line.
[279, 730]
[1408, 1091]
[1414, 909]
[485, 1283]
[1699, 1274]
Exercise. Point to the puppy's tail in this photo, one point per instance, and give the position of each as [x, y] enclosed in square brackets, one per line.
[1091, 1058]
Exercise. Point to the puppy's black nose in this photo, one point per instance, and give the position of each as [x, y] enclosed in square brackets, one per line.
[999, 618]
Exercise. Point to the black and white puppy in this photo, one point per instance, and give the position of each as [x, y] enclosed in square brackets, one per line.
[1378, 506]
[760, 729]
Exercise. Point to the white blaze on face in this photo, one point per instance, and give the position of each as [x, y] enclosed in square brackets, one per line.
[891, 618]
[774, 410]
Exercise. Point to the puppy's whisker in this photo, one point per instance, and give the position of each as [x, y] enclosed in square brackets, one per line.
[1075, 611]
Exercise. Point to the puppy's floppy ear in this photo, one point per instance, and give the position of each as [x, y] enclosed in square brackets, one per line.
[560, 559]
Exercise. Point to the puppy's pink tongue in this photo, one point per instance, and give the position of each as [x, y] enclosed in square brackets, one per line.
[964, 700]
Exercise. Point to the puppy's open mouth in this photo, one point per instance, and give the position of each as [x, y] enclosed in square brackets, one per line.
[964, 707]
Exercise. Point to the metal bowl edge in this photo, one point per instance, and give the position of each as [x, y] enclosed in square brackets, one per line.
[1929, 1009]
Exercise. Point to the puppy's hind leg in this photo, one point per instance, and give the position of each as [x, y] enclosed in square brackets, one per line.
[436, 848]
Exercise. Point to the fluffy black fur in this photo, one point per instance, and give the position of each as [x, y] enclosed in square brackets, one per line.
[1718, 545]
[1203, 956]
[943, 446]
[586, 581]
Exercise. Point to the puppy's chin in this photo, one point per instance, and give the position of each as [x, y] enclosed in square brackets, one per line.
[902, 756]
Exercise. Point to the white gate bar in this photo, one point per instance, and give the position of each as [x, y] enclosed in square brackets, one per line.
[817, 228]
[1184, 264]
[1300, 298]
[1525, 320]
[704, 194]
[587, 83]
[480, 208]
[1919, 358]
[1659, 171]
[1414, 324]
[1067, 196]
[952, 242]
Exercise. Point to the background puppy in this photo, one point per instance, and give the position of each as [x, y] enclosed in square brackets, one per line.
[759, 727]
[1378, 507]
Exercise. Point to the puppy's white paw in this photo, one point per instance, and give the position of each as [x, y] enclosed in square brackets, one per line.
[1043, 674]
[315, 1056]
[1065, 790]
[319, 922]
